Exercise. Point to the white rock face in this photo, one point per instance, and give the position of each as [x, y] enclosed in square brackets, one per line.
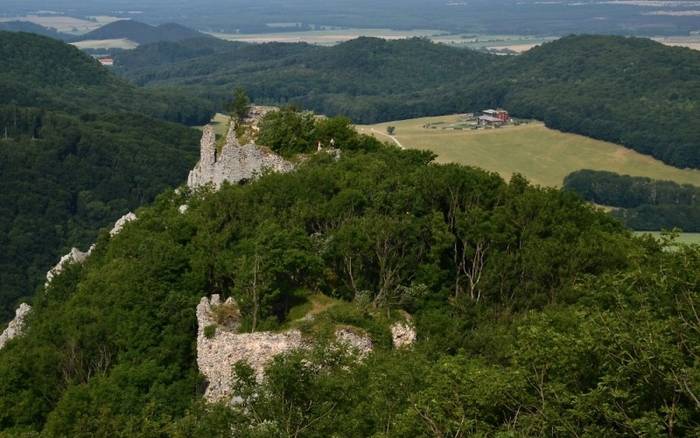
[217, 355]
[74, 256]
[235, 163]
[119, 225]
[403, 334]
[16, 326]
[361, 343]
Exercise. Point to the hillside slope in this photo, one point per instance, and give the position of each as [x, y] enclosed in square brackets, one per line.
[141, 33]
[78, 149]
[561, 291]
[629, 91]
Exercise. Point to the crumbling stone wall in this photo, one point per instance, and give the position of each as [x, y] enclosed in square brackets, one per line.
[235, 163]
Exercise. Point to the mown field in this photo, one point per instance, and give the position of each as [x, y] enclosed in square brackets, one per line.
[543, 155]
[686, 238]
[118, 43]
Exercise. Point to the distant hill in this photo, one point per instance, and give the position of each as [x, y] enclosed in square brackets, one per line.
[630, 91]
[41, 72]
[141, 33]
[26, 26]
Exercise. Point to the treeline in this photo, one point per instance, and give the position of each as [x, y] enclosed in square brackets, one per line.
[533, 311]
[630, 91]
[290, 132]
[642, 203]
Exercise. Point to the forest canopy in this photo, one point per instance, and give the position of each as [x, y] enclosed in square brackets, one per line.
[549, 323]
[641, 203]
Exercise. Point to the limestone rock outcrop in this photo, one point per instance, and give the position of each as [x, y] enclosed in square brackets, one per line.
[77, 256]
[16, 326]
[74, 256]
[235, 163]
[119, 225]
[403, 334]
[360, 342]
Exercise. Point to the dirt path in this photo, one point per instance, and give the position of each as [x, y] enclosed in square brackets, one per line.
[398, 143]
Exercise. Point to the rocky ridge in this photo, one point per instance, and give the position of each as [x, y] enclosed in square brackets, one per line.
[16, 326]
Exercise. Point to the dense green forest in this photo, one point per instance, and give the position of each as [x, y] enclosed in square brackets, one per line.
[40, 72]
[77, 151]
[536, 314]
[642, 203]
[630, 91]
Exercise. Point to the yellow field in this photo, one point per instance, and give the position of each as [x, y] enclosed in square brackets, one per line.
[66, 24]
[326, 37]
[542, 155]
[120, 43]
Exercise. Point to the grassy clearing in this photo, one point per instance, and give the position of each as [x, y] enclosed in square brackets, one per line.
[685, 238]
[542, 155]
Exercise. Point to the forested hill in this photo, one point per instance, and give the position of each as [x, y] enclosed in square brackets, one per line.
[141, 33]
[631, 91]
[41, 72]
[26, 26]
[78, 149]
[536, 315]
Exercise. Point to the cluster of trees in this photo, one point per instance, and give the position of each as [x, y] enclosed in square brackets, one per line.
[642, 203]
[580, 84]
[529, 306]
[290, 132]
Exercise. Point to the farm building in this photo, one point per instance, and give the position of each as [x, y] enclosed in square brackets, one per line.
[105, 60]
[491, 117]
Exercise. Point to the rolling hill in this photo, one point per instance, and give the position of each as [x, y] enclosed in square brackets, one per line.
[141, 33]
[26, 26]
[630, 91]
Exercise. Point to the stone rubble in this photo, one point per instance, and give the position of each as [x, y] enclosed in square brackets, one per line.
[16, 326]
[402, 334]
[361, 343]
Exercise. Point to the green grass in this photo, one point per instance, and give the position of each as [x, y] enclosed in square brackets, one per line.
[542, 155]
[685, 238]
